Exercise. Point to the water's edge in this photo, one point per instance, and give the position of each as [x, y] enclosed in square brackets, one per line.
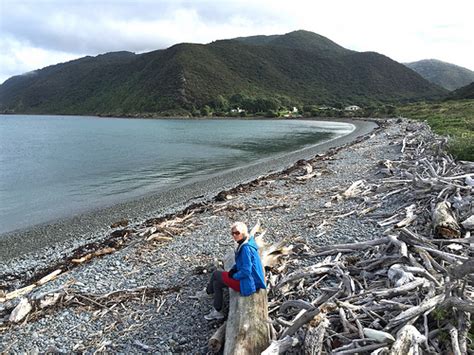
[34, 238]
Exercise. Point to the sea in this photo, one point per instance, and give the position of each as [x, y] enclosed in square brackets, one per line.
[56, 166]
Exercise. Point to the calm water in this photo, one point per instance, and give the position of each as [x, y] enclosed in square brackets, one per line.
[55, 166]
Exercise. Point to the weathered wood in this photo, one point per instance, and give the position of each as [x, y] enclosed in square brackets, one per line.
[313, 341]
[400, 290]
[444, 222]
[20, 292]
[360, 350]
[354, 246]
[462, 305]
[247, 329]
[453, 332]
[49, 277]
[378, 335]
[459, 271]
[309, 314]
[20, 311]
[407, 341]
[281, 346]
[464, 325]
[468, 223]
[217, 340]
[427, 304]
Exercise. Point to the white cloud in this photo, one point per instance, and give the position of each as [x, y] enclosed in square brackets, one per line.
[19, 57]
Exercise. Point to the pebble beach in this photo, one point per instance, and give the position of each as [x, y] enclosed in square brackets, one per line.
[178, 264]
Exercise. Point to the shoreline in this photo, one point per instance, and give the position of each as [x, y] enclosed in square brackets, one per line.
[94, 224]
[151, 276]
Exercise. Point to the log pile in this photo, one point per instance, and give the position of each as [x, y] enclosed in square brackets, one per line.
[410, 289]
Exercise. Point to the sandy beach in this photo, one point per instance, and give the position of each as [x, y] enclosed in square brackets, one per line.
[176, 265]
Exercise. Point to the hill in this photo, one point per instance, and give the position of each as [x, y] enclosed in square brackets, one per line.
[466, 92]
[258, 73]
[446, 75]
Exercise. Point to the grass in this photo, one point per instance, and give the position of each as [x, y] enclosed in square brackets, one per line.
[454, 119]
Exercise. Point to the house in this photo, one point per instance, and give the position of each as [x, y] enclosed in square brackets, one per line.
[352, 108]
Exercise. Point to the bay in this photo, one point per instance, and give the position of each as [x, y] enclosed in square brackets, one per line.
[57, 166]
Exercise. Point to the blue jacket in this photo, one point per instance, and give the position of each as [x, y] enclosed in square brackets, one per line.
[249, 268]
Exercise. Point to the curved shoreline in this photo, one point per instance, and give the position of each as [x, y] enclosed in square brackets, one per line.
[97, 222]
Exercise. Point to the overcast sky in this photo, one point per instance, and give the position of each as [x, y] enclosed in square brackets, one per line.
[37, 33]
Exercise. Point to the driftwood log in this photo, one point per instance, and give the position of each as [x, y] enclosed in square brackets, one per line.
[444, 223]
[217, 339]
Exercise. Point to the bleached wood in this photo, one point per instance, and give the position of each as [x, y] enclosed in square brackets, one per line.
[407, 341]
[20, 311]
[444, 222]
[217, 339]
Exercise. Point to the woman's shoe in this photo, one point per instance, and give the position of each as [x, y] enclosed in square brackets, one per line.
[214, 315]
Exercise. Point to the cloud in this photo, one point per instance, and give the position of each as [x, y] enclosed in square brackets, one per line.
[19, 57]
[53, 30]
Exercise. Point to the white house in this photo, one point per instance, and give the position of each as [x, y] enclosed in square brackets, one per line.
[352, 108]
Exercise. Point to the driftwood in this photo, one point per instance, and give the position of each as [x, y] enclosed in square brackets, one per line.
[384, 289]
[313, 341]
[280, 346]
[20, 311]
[217, 339]
[444, 223]
[377, 293]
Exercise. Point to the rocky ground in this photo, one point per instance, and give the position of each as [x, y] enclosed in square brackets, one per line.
[174, 262]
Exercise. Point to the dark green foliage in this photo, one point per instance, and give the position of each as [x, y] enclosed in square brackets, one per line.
[446, 75]
[258, 74]
[466, 92]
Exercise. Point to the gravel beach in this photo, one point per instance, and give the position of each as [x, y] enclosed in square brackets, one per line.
[167, 320]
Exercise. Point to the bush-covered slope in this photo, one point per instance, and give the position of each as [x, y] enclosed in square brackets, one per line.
[466, 92]
[446, 75]
[299, 67]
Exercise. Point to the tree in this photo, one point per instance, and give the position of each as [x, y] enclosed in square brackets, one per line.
[220, 103]
[206, 110]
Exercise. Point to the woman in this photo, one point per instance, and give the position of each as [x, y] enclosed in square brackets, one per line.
[246, 276]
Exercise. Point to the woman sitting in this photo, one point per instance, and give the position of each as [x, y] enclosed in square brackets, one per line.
[246, 276]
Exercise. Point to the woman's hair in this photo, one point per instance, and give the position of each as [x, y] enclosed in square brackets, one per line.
[241, 227]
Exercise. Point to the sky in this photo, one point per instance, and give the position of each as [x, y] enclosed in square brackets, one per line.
[38, 33]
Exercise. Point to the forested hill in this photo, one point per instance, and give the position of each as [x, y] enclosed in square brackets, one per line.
[466, 92]
[446, 75]
[254, 72]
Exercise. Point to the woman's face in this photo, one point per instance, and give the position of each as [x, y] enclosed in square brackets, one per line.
[236, 234]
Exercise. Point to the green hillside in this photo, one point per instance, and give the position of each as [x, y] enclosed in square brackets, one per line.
[257, 73]
[466, 92]
[446, 75]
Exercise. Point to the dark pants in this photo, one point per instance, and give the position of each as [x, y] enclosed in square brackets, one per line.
[215, 286]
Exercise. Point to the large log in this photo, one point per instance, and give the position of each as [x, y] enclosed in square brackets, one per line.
[247, 329]
[444, 223]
